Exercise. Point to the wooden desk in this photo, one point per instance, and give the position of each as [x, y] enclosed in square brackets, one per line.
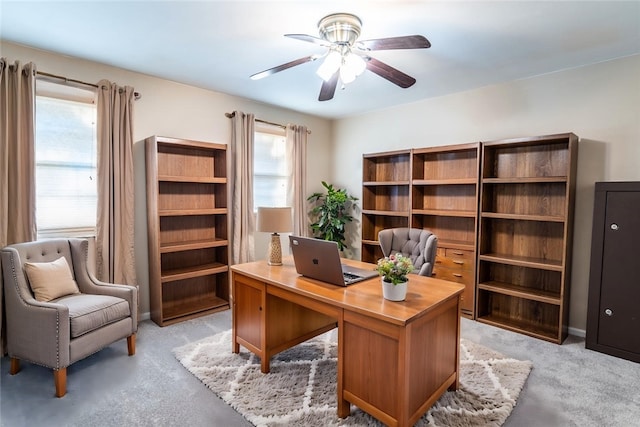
[401, 356]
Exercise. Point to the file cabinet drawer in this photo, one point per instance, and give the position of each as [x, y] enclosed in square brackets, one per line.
[454, 275]
[460, 254]
[455, 263]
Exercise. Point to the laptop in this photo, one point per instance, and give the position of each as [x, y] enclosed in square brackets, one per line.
[320, 259]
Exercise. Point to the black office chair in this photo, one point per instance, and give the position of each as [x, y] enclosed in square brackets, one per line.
[419, 245]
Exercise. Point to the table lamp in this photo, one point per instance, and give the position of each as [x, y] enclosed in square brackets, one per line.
[275, 220]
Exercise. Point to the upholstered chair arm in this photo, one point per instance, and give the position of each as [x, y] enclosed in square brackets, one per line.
[431, 249]
[36, 329]
[384, 238]
[425, 269]
[89, 284]
[33, 327]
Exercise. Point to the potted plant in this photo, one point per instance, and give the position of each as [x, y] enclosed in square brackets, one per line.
[394, 270]
[331, 213]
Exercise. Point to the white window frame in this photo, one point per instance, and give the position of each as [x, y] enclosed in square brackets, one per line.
[67, 92]
[285, 175]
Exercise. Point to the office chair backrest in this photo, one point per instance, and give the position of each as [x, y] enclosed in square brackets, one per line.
[417, 244]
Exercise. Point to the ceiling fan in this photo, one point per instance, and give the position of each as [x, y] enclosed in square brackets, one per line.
[346, 56]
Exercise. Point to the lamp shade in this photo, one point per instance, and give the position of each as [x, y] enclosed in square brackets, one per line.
[275, 220]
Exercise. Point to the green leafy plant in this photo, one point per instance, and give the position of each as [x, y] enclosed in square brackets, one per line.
[394, 268]
[331, 213]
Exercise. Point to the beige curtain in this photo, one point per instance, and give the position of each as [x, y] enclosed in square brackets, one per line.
[242, 218]
[17, 160]
[297, 146]
[115, 233]
[17, 152]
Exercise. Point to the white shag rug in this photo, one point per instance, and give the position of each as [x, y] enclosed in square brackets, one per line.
[300, 389]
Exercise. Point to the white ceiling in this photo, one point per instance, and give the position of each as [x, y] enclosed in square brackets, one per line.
[217, 45]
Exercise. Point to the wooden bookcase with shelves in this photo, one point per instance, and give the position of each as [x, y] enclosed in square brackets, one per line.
[444, 195]
[526, 221]
[385, 197]
[187, 225]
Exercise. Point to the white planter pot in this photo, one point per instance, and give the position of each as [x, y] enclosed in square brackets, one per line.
[394, 292]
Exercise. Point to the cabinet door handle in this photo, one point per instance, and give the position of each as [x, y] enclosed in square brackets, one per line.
[608, 312]
[615, 227]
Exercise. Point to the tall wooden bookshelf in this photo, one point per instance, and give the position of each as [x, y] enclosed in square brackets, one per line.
[444, 199]
[187, 225]
[525, 234]
[385, 197]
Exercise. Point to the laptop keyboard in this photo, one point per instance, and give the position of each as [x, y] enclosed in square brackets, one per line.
[348, 277]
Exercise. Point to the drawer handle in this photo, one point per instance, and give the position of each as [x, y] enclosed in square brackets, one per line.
[458, 253]
[458, 262]
[457, 274]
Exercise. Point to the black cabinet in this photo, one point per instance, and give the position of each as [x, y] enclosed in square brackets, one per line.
[613, 320]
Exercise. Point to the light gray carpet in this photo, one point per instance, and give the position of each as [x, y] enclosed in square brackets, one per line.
[570, 386]
[301, 387]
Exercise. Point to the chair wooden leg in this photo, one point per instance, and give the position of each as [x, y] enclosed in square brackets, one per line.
[60, 380]
[131, 344]
[15, 366]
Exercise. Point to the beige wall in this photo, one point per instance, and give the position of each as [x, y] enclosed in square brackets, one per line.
[599, 103]
[176, 110]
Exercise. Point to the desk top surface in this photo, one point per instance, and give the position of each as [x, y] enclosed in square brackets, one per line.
[424, 294]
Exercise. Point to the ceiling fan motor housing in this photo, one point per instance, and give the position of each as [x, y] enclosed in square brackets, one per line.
[340, 28]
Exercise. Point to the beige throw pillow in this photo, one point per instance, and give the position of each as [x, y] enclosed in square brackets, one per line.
[50, 280]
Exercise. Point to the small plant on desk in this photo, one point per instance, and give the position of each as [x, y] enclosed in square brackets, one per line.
[394, 268]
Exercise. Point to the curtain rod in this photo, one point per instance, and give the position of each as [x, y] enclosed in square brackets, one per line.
[136, 95]
[231, 115]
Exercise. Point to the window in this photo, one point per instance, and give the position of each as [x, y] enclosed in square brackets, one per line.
[66, 157]
[270, 171]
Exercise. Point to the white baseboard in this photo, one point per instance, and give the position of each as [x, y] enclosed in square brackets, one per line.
[577, 332]
[145, 316]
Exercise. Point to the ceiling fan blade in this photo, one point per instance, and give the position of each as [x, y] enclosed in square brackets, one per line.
[388, 72]
[310, 39]
[283, 67]
[402, 42]
[328, 88]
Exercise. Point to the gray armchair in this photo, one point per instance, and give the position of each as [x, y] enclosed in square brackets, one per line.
[66, 329]
[419, 245]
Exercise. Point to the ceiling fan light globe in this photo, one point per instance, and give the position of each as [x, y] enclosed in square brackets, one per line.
[329, 66]
[355, 63]
[347, 74]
